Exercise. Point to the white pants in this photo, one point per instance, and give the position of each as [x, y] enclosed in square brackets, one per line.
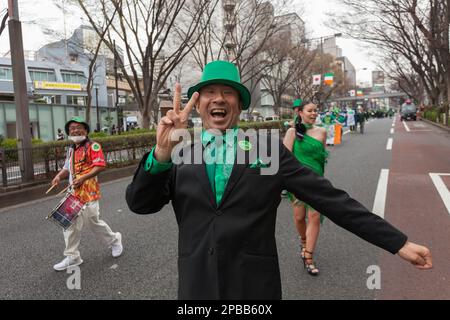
[90, 216]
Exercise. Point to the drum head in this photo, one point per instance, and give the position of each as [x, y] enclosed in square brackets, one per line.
[67, 211]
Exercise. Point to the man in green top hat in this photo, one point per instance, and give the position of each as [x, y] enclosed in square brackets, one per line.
[226, 213]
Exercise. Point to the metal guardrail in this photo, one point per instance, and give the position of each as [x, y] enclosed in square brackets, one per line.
[47, 161]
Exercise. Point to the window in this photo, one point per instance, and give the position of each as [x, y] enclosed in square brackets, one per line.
[5, 73]
[77, 100]
[42, 75]
[52, 99]
[73, 57]
[73, 77]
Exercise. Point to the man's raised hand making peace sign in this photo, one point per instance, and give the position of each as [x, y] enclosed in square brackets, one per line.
[174, 119]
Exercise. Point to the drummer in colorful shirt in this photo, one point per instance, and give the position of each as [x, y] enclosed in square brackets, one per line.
[84, 161]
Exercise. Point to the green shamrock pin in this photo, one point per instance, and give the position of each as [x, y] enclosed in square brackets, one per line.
[96, 147]
[245, 145]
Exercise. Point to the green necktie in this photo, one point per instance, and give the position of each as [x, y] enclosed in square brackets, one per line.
[222, 171]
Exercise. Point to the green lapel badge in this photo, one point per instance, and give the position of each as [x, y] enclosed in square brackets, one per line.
[245, 145]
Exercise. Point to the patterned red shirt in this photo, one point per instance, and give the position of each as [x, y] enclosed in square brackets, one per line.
[86, 156]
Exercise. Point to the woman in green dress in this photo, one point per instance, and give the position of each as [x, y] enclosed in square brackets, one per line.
[307, 142]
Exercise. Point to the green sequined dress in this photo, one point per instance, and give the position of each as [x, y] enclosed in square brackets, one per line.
[312, 154]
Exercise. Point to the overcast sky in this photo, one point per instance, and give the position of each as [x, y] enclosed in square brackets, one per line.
[314, 16]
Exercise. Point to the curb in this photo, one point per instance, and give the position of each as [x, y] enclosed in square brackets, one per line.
[13, 198]
[444, 127]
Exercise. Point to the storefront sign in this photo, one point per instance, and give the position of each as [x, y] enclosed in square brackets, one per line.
[58, 86]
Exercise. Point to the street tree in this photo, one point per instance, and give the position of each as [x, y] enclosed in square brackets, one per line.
[239, 32]
[403, 77]
[399, 29]
[285, 75]
[435, 29]
[145, 29]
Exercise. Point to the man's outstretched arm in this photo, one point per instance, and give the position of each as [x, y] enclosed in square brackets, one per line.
[348, 213]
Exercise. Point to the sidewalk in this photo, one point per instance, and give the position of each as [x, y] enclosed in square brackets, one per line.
[435, 124]
[36, 190]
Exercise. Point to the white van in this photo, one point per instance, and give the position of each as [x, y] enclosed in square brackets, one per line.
[272, 118]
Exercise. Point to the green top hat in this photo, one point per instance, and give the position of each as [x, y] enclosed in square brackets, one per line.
[77, 120]
[223, 72]
[297, 103]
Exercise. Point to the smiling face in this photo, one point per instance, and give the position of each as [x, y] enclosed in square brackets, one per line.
[308, 113]
[219, 106]
[77, 129]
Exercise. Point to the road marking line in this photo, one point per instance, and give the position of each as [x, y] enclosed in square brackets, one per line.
[442, 188]
[416, 125]
[392, 131]
[389, 144]
[380, 196]
[406, 126]
[346, 131]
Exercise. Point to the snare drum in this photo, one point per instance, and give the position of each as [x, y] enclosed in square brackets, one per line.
[67, 211]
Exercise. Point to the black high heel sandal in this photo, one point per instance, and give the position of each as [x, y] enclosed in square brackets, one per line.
[308, 264]
[302, 248]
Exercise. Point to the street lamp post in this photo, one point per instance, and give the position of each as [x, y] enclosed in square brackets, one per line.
[96, 87]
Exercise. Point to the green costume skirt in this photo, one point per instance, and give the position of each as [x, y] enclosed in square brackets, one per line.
[311, 153]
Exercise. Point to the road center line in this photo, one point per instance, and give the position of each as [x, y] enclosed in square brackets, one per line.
[442, 188]
[392, 131]
[389, 144]
[406, 126]
[380, 196]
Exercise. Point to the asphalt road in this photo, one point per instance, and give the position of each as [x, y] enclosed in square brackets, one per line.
[29, 245]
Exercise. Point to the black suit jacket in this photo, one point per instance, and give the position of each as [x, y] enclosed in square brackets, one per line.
[228, 251]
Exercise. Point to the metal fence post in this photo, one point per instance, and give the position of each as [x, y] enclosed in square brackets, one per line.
[3, 162]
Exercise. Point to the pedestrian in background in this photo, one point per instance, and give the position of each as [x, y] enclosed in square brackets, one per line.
[361, 118]
[59, 135]
[351, 119]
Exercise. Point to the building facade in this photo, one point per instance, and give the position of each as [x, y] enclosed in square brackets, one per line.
[57, 89]
[349, 73]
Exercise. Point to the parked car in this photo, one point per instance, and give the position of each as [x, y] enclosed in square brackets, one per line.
[272, 118]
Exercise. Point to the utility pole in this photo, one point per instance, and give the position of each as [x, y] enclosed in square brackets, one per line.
[96, 86]
[20, 93]
[322, 78]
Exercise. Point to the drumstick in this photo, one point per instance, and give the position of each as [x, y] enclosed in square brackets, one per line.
[63, 190]
[50, 189]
